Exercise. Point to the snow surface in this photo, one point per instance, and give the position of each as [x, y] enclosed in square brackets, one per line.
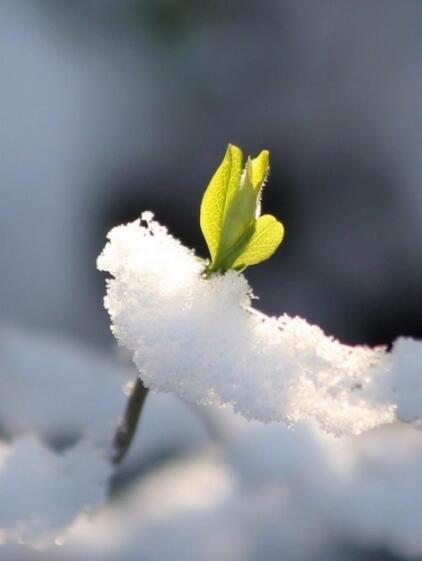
[260, 491]
[60, 404]
[42, 492]
[268, 492]
[201, 339]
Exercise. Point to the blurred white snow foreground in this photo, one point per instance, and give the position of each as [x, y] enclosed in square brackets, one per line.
[59, 404]
[200, 339]
[42, 492]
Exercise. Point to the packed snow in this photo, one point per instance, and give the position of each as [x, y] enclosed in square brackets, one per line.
[201, 339]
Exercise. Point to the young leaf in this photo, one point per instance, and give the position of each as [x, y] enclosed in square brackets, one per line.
[230, 209]
[217, 197]
[260, 167]
[267, 236]
[239, 218]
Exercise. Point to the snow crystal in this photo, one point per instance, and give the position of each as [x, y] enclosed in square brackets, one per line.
[42, 492]
[201, 339]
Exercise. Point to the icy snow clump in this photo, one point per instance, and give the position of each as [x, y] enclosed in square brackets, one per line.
[201, 339]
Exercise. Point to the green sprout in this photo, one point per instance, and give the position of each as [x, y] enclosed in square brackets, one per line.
[236, 235]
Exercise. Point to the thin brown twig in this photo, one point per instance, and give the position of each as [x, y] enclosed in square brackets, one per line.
[127, 428]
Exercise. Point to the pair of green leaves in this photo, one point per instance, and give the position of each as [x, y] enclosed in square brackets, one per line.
[236, 235]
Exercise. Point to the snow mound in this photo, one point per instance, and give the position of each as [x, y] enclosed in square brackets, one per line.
[201, 339]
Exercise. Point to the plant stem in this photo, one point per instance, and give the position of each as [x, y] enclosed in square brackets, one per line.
[127, 428]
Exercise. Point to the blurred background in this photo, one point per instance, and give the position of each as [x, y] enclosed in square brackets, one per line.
[112, 107]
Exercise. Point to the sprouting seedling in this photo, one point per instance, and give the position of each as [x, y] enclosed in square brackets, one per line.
[236, 235]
